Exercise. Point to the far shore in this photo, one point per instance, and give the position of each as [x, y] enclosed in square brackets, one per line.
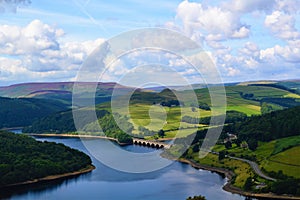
[70, 135]
[11, 128]
[76, 136]
[51, 177]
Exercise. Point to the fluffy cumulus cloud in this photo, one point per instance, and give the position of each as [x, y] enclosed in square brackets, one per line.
[216, 23]
[37, 50]
[282, 25]
[230, 29]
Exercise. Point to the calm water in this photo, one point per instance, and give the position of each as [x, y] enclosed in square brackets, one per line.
[177, 181]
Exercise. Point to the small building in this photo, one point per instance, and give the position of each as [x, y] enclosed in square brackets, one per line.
[230, 137]
[244, 145]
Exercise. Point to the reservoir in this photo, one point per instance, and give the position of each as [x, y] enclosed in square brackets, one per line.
[175, 182]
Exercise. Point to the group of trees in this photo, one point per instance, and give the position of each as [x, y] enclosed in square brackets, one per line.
[17, 112]
[231, 117]
[145, 132]
[196, 198]
[269, 107]
[23, 158]
[201, 105]
[283, 185]
[116, 130]
[283, 102]
[275, 125]
[268, 127]
[63, 122]
[170, 103]
[247, 95]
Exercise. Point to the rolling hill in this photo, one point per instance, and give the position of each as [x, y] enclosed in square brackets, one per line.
[18, 112]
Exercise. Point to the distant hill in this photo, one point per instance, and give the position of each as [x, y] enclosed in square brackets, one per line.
[289, 85]
[35, 100]
[41, 89]
[62, 91]
[184, 87]
[17, 112]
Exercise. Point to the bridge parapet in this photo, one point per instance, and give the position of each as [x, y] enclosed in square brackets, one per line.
[151, 143]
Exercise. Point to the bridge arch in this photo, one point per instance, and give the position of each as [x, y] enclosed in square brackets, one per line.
[149, 143]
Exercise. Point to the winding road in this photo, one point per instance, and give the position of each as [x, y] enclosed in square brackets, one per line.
[252, 164]
[255, 167]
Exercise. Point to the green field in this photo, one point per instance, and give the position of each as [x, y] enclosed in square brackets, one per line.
[145, 112]
[282, 154]
[241, 169]
[286, 143]
[289, 157]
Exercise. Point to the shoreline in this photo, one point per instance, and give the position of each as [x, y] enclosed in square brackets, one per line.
[76, 136]
[11, 128]
[225, 172]
[51, 178]
[229, 187]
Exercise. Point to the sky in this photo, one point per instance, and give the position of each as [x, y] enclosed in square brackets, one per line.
[49, 40]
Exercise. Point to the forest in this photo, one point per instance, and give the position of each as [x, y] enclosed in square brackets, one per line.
[63, 123]
[271, 126]
[17, 112]
[23, 158]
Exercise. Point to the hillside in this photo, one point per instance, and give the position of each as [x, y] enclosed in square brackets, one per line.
[271, 140]
[17, 112]
[22, 158]
[249, 100]
[270, 126]
[41, 89]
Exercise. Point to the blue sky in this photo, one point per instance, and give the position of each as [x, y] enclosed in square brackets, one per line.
[247, 40]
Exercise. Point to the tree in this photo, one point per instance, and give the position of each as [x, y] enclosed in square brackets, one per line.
[222, 155]
[197, 198]
[228, 145]
[161, 133]
[248, 184]
[252, 144]
[196, 148]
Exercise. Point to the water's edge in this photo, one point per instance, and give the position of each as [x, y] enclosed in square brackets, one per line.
[50, 178]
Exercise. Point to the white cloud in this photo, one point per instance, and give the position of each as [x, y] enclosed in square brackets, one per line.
[288, 53]
[215, 22]
[288, 6]
[282, 25]
[233, 72]
[249, 6]
[38, 48]
[35, 37]
[233, 30]
[241, 33]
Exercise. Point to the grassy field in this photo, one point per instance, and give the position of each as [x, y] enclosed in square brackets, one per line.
[289, 157]
[156, 117]
[241, 169]
[291, 95]
[282, 154]
[286, 143]
[143, 112]
[258, 91]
